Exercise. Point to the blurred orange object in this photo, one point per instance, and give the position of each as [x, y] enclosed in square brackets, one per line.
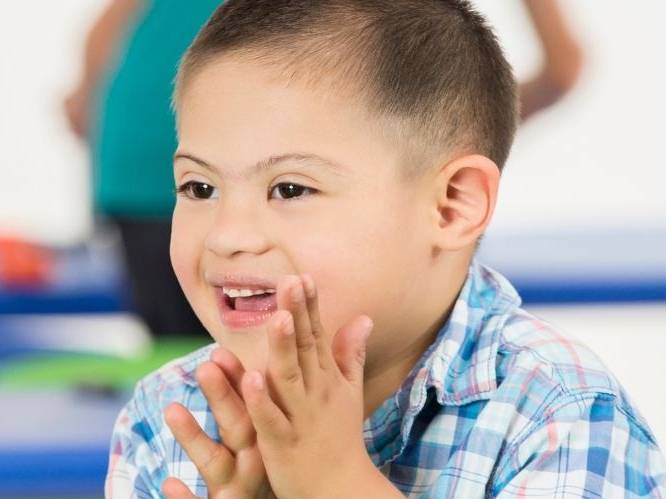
[23, 263]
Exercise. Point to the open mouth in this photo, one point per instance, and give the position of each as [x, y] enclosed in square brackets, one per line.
[260, 302]
[241, 308]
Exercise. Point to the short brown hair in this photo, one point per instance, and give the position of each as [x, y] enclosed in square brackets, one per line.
[432, 68]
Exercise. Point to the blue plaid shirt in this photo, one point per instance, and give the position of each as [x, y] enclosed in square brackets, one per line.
[500, 405]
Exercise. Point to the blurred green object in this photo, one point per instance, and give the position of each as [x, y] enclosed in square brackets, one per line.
[48, 370]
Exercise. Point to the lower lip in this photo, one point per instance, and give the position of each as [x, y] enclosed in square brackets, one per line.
[236, 319]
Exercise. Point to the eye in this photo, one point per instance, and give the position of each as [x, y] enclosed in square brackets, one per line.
[288, 190]
[196, 190]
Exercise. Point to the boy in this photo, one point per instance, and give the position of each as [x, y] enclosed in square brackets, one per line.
[337, 163]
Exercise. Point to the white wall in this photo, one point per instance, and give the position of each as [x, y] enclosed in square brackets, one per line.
[597, 159]
[43, 171]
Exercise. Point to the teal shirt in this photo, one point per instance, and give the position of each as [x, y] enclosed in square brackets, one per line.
[133, 126]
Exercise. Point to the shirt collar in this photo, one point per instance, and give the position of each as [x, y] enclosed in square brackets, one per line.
[459, 366]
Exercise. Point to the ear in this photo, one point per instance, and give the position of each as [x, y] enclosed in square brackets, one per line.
[465, 196]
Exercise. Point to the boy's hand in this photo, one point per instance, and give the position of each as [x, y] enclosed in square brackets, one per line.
[309, 419]
[234, 469]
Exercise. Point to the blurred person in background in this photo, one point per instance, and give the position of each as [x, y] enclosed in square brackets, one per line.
[121, 108]
[562, 58]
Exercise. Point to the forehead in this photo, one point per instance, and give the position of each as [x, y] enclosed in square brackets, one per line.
[236, 111]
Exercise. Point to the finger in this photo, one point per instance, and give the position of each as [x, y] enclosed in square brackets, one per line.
[271, 424]
[234, 425]
[292, 297]
[251, 472]
[324, 354]
[349, 348]
[232, 367]
[173, 488]
[286, 378]
[213, 460]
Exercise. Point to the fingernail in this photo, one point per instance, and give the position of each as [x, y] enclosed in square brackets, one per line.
[257, 380]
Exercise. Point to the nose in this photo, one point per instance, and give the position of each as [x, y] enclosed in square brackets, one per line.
[237, 230]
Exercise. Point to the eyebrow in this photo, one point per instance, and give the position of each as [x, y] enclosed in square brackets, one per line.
[272, 161]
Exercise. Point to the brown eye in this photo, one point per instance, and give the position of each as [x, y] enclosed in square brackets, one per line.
[288, 190]
[197, 190]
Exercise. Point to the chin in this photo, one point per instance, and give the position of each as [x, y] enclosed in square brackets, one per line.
[250, 346]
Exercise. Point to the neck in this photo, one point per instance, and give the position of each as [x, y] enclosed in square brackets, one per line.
[386, 372]
[385, 377]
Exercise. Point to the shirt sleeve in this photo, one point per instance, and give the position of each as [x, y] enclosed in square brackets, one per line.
[588, 447]
[136, 470]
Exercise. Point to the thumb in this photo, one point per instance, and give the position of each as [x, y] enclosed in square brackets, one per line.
[349, 348]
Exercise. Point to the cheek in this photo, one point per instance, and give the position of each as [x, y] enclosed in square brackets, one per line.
[365, 265]
[184, 250]
[353, 268]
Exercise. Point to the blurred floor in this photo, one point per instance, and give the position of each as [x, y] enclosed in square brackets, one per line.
[59, 411]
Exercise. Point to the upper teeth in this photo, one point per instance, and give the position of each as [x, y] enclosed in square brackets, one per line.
[235, 293]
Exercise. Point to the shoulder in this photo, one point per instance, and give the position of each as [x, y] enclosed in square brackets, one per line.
[143, 450]
[179, 370]
[527, 342]
[495, 350]
[529, 408]
[141, 441]
[173, 380]
[140, 433]
[569, 424]
[553, 373]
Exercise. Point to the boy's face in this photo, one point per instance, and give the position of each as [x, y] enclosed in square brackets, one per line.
[299, 181]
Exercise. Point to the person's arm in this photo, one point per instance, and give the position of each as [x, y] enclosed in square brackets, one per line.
[100, 43]
[563, 58]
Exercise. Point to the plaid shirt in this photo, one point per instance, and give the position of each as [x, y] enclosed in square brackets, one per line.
[500, 405]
